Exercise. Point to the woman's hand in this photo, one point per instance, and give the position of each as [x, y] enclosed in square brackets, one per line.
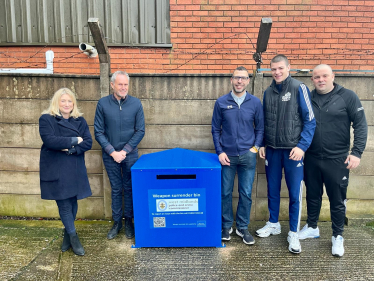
[79, 140]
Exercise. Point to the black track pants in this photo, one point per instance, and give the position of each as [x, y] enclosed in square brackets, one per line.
[335, 175]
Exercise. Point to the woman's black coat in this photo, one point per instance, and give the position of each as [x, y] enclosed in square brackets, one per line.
[61, 175]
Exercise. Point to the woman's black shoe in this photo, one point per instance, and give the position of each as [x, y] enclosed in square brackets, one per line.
[76, 244]
[65, 242]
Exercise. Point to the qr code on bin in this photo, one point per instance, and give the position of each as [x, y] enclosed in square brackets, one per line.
[159, 222]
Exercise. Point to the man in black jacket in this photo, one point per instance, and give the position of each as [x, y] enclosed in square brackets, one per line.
[328, 160]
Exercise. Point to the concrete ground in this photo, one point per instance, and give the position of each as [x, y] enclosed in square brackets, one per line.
[30, 250]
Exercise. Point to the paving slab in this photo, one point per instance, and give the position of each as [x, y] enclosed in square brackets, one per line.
[30, 250]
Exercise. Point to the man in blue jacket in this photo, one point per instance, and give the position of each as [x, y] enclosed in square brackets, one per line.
[289, 130]
[237, 129]
[119, 128]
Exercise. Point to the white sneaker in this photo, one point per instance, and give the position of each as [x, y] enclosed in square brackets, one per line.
[269, 229]
[308, 232]
[337, 246]
[294, 243]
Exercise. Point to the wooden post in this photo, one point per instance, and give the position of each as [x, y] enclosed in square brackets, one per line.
[104, 58]
[102, 50]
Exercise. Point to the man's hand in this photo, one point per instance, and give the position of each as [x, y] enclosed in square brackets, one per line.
[296, 154]
[261, 152]
[118, 156]
[223, 159]
[352, 161]
[252, 150]
[79, 140]
[124, 153]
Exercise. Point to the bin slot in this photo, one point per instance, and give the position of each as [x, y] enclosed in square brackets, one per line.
[176, 177]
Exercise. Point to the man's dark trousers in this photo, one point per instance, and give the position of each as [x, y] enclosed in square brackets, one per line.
[119, 175]
[335, 175]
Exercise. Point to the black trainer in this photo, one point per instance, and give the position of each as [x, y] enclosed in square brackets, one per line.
[247, 237]
[115, 229]
[226, 234]
[129, 228]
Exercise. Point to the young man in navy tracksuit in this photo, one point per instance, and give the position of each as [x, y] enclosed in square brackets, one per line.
[289, 129]
[237, 129]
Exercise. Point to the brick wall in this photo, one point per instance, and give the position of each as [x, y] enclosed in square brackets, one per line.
[214, 36]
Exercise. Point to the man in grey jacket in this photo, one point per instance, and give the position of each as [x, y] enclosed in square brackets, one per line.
[119, 128]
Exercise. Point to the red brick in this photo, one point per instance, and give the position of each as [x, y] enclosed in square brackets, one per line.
[347, 30]
[294, 13]
[200, 13]
[231, 13]
[184, 2]
[286, 7]
[356, 14]
[223, 8]
[296, 2]
[178, 18]
[193, 7]
[310, 13]
[224, 30]
[349, 8]
[215, 13]
[184, 13]
[176, 30]
[317, 8]
[182, 24]
[224, 19]
[208, 7]
[356, 2]
[215, 24]
[231, 24]
[199, 24]
[200, 35]
[354, 35]
[194, 19]
[363, 19]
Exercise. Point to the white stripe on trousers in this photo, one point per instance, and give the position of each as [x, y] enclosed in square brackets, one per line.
[300, 205]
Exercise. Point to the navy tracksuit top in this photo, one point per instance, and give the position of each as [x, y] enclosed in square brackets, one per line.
[236, 129]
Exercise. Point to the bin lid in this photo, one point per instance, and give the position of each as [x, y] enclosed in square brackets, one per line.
[177, 158]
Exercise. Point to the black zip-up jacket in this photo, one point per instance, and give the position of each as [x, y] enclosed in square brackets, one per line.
[332, 136]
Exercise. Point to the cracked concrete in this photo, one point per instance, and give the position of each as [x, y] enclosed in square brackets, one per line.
[30, 250]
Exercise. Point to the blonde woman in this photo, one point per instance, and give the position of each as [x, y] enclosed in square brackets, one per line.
[63, 174]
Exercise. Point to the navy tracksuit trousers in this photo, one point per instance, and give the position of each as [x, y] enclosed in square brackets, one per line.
[276, 160]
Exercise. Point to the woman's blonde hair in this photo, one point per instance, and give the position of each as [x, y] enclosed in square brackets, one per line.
[54, 105]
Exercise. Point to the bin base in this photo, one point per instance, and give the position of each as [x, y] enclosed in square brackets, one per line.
[136, 247]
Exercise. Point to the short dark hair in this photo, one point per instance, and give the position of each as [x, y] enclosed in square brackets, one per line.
[279, 58]
[240, 68]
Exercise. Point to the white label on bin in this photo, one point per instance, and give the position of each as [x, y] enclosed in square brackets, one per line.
[177, 205]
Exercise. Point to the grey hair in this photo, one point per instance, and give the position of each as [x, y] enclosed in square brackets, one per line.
[119, 72]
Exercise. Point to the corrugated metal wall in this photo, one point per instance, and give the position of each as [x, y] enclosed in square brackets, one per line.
[64, 22]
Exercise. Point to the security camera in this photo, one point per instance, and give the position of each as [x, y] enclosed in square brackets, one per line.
[88, 50]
